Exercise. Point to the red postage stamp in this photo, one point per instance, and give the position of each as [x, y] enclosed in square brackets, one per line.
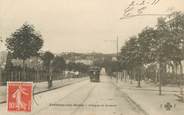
[19, 96]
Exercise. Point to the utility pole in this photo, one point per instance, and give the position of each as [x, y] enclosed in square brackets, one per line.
[117, 40]
[117, 45]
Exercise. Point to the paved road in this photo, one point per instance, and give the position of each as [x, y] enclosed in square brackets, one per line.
[84, 98]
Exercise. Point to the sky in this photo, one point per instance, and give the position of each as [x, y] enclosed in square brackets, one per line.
[80, 25]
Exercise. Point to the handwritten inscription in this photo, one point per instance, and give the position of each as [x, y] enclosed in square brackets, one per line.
[137, 7]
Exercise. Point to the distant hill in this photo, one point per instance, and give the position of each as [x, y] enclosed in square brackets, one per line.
[86, 57]
[91, 56]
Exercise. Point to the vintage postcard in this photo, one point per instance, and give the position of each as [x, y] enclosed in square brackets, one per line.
[92, 57]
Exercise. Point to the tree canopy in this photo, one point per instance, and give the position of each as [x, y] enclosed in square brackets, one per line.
[47, 57]
[24, 42]
[58, 64]
[162, 44]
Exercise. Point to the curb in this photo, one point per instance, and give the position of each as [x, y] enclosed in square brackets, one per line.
[164, 90]
[54, 88]
[130, 100]
[151, 90]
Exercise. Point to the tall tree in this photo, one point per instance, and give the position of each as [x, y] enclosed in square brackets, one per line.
[169, 43]
[176, 28]
[24, 43]
[163, 44]
[58, 64]
[132, 58]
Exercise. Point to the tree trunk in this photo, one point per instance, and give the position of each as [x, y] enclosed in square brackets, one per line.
[132, 76]
[139, 73]
[116, 76]
[181, 80]
[176, 73]
[156, 76]
[160, 78]
[139, 80]
[126, 76]
[24, 71]
[48, 76]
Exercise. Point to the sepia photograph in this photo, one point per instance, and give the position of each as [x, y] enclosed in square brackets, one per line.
[91, 57]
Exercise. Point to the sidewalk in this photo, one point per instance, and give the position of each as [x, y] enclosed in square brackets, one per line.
[43, 86]
[148, 99]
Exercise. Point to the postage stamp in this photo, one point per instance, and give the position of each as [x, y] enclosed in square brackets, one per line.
[19, 96]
